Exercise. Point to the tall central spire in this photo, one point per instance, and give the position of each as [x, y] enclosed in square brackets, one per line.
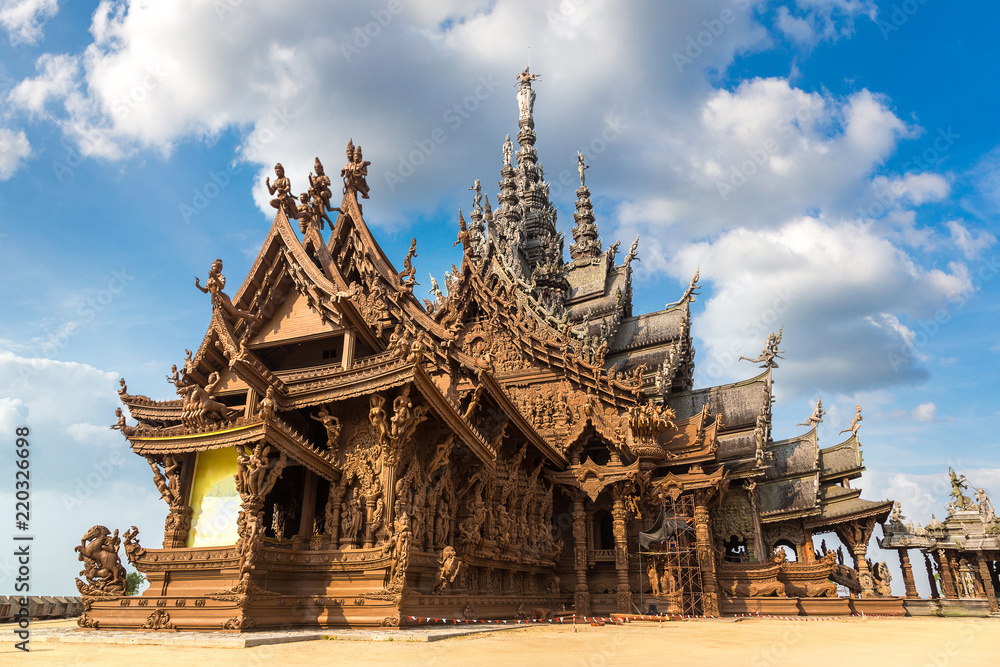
[539, 242]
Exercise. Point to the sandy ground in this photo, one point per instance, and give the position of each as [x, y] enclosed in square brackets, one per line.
[910, 641]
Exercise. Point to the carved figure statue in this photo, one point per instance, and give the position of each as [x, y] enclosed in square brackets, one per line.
[304, 213]
[406, 275]
[267, 405]
[175, 378]
[986, 509]
[214, 286]
[633, 254]
[121, 424]
[896, 518]
[332, 425]
[98, 550]
[477, 199]
[124, 388]
[581, 167]
[855, 423]
[189, 365]
[508, 151]
[319, 188]
[769, 353]
[654, 576]
[355, 172]
[281, 190]
[884, 579]
[400, 544]
[816, 418]
[435, 290]
[448, 570]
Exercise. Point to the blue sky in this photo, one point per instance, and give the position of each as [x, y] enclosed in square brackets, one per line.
[831, 166]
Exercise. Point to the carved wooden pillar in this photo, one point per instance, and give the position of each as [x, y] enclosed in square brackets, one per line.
[176, 527]
[253, 399]
[758, 530]
[370, 505]
[581, 598]
[706, 553]
[348, 357]
[930, 577]
[908, 582]
[952, 563]
[856, 535]
[984, 576]
[808, 551]
[308, 510]
[944, 569]
[619, 517]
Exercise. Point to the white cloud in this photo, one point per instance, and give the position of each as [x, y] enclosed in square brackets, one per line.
[972, 245]
[822, 20]
[924, 412]
[14, 148]
[57, 79]
[836, 287]
[23, 19]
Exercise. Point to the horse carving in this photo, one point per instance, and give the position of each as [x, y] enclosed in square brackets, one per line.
[200, 407]
[101, 565]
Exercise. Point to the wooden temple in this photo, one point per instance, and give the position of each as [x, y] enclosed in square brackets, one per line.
[344, 453]
[961, 554]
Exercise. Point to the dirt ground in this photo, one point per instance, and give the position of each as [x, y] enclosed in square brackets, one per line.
[909, 641]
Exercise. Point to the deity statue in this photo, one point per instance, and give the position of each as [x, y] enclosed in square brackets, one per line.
[958, 484]
[214, 285]
[267, 405]
[654, 578]
[355, 172]
[581, 167]
[817, 416]
[121, 424]
[282, 188]
[319, 188]
[448, 571]
[986, 510]
[769, 353]
[478, 198]
[855, 423]
[332, 426]
[508, 151]
[896, 517]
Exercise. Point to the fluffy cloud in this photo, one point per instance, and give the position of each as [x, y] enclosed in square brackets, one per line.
[832, 285]
[809, 22]
[970, 243]
[23, 19]
[925, 412]
[14, 148]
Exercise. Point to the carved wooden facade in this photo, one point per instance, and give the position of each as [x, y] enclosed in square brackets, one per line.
[343, 454]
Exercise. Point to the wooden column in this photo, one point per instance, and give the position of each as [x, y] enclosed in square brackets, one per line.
[930, 577]
[984, 576]
[758, 532]
[706, 554]
[809, 551]
[904, 565]
[581, 598]
[347, 358]
[855, 536]
[308, 505]
[948, 590]
[956, 573]
[619, 516]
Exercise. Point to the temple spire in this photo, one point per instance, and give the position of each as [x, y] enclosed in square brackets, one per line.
[586, 243]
